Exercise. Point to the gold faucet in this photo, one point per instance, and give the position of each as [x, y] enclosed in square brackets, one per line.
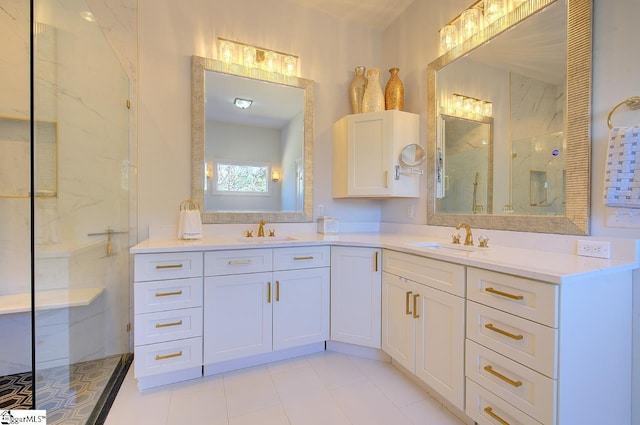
[261, 229]
[468, 240]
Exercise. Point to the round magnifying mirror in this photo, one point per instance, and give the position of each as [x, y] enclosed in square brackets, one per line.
[413, 155]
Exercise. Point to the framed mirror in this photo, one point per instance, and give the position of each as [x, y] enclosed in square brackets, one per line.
[251, 144]
[536, 74]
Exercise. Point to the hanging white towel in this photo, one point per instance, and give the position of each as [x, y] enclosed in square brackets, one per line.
[622, 171]
[190, 225]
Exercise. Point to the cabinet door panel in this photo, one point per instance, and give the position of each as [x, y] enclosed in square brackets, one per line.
[356, 292]
[301, 307]
[369, 174]
[398, 324]
[237, 317]
[440, 343]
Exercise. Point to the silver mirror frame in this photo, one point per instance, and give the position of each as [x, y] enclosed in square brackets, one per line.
[198, 67]
[578, 134]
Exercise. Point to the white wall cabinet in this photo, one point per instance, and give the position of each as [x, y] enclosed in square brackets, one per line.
[280, 302]
[356, 291]
[423, 325]
[366, 152]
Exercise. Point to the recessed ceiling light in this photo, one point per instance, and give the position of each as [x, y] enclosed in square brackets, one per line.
[87, 16]
[242, 103]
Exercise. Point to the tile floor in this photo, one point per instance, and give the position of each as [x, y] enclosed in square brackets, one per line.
[323, 388]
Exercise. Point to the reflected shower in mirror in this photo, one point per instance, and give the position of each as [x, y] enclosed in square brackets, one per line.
[466, 168]
[252, 155]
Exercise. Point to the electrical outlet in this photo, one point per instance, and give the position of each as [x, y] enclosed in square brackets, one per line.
[410, 212]
[597, 249]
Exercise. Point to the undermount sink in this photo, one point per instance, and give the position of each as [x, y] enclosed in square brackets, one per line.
[446, 246]
[266, 239]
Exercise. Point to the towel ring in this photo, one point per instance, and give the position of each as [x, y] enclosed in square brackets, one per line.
[632, 102]
[189, 205]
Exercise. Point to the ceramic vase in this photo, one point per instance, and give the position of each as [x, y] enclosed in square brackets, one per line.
[357, 88]
[394, 91]
[373, 100]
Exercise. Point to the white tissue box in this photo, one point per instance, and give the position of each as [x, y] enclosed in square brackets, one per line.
[327, 225]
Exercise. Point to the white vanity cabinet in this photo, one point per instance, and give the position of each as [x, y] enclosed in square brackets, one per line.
[168, 317]
[356, 291]
[366, 152]
[542, 353]
[260, 301]
[423, 320]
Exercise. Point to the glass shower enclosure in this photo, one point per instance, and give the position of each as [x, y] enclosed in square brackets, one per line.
[65, 211]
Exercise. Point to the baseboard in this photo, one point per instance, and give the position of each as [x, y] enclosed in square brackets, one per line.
[274, 356]
[359, 351]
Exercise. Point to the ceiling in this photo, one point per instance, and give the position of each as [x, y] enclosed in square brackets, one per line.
[377, 14]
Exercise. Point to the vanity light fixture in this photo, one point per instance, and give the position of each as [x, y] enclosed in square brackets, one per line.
[448, 37]
[226, 51]
[483, 20]
[470, 21]
[249, 56]
[242, 103]
[460, 105]
[257, 59]
[289, 65]
[493, 10]
[275, 176]
[88, 16]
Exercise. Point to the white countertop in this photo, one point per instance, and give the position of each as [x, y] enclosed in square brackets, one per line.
[552, 267]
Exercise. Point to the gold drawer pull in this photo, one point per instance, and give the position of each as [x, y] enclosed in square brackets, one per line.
[239, 262]
[167, 325]
[303, 258]
[169, 266]
[504, 378]
[376, 261]
[489, 411]
[168, 294]
[268, 292]
[169, 356]
[407, 310]
[504, 294]
[277, 290]
[415, 306]
[505, 333]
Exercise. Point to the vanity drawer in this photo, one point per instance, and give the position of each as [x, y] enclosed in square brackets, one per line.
[167, 295]
[155, 359]
[437, 274]
[173, 265]
[527, 390]
[217, 263]
[524, 341]
[166, 326]
[304, 257]
[486, 408]
[531, 299]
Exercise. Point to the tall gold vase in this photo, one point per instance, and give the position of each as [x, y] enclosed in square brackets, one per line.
[394, 91]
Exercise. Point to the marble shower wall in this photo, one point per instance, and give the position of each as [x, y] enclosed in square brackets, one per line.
[538, 121]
